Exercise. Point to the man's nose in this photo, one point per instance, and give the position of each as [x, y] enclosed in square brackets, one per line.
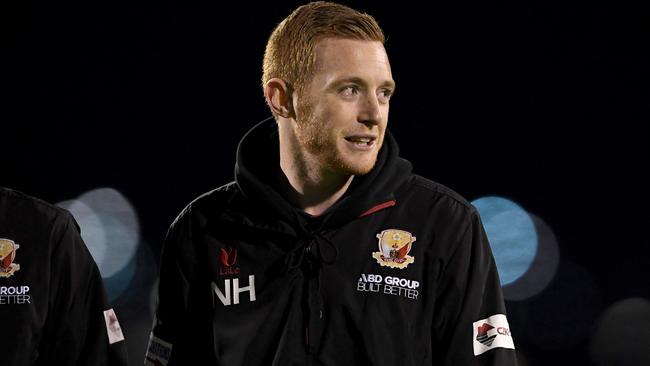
[370, 111]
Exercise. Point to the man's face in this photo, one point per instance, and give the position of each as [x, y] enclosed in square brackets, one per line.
[343, 111]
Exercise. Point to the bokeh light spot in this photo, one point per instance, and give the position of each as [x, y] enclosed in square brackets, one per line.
[512, 236]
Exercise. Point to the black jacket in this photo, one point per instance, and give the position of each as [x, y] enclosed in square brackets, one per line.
[53, 305]
[397, 272]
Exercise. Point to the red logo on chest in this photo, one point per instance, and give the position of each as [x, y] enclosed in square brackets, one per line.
[228, 258]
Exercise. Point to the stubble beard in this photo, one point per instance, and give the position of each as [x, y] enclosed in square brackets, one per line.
[322, 146]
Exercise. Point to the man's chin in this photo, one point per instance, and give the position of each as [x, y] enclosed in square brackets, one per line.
[357, 167]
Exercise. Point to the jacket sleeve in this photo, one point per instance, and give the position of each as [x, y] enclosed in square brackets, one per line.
[470, 325]
[81, 328]
[181, 332]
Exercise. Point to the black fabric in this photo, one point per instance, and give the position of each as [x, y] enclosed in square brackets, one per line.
[281, 288]
[252, 172]
[59, 320]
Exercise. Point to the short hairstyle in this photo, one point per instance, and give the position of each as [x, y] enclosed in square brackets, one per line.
[289, 51]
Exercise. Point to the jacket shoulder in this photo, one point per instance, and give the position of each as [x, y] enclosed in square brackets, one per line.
[210, 202]
[424, 188]
[42, 213]
[430, 198]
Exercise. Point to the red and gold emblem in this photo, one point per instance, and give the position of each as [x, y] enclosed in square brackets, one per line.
[7, 255]
[394, 247]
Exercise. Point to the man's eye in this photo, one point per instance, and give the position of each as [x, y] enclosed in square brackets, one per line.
[385, 95]
[349, 91]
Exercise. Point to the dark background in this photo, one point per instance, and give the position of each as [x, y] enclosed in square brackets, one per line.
[545, 104]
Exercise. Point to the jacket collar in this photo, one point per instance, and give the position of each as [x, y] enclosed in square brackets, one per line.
[258, 163]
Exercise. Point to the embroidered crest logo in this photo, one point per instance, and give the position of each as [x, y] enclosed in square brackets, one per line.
[394, 247]
[7, 255]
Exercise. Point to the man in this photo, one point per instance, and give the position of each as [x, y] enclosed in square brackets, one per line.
[327, 250]
[53, 306]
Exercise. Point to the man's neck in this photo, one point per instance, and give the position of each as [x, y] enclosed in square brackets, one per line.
[310, 190]
[307, 186]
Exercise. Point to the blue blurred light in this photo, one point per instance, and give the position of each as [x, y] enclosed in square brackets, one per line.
[542, 270]
[120, 281]
[512, 236]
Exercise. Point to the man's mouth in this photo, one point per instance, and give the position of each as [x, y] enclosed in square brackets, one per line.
[367, 140]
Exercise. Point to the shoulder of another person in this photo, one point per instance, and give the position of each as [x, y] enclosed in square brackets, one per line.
[41, 213]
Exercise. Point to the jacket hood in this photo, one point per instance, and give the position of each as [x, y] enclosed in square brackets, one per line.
[257, 174]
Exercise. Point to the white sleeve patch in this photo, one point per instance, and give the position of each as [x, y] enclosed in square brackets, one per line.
[492, 332]
[158, 352]
[113, 327]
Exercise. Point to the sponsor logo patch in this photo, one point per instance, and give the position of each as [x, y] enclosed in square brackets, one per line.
[492, 332]
[388, 285]
[158, 352]
[394, 247]
[233, 286]
[228, 259]
[7, 255]
[113, 327]
[15, 295]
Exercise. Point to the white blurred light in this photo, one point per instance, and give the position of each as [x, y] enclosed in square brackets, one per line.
[622, 336]
[92, 230]
[111, 231]
[121, 226]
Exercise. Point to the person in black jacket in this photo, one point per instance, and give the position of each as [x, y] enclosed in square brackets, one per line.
[327, 249]
[54, 309]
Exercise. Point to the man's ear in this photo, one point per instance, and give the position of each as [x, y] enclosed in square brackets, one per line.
[278, 97]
